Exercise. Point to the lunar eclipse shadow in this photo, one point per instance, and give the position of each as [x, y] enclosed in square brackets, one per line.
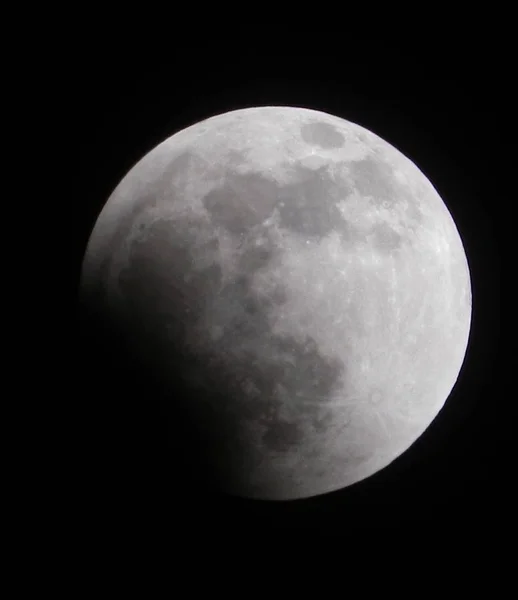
[144, 471]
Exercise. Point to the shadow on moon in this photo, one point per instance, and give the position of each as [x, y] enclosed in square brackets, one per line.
[212, 342]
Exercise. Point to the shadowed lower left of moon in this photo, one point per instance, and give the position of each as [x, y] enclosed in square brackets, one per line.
[214, 342]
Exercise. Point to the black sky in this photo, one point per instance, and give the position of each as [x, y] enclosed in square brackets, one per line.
[449, 114]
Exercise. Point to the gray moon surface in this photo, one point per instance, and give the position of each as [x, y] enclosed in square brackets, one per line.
[300, 280]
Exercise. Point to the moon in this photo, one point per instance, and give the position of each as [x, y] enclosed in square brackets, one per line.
[300, 287]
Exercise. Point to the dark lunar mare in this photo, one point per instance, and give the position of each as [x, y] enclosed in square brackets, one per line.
[307, 206]
[322, 134]
[373, 177]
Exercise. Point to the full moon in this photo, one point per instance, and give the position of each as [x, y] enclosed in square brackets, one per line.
[299, 287]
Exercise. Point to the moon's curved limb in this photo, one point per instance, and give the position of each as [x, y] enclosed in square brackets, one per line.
[307, 281]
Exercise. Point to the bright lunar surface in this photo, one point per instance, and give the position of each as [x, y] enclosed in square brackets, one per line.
[303, 284]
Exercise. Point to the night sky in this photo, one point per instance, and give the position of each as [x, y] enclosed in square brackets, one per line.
[450, 117]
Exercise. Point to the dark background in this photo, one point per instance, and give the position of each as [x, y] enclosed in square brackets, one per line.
[449, 112]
